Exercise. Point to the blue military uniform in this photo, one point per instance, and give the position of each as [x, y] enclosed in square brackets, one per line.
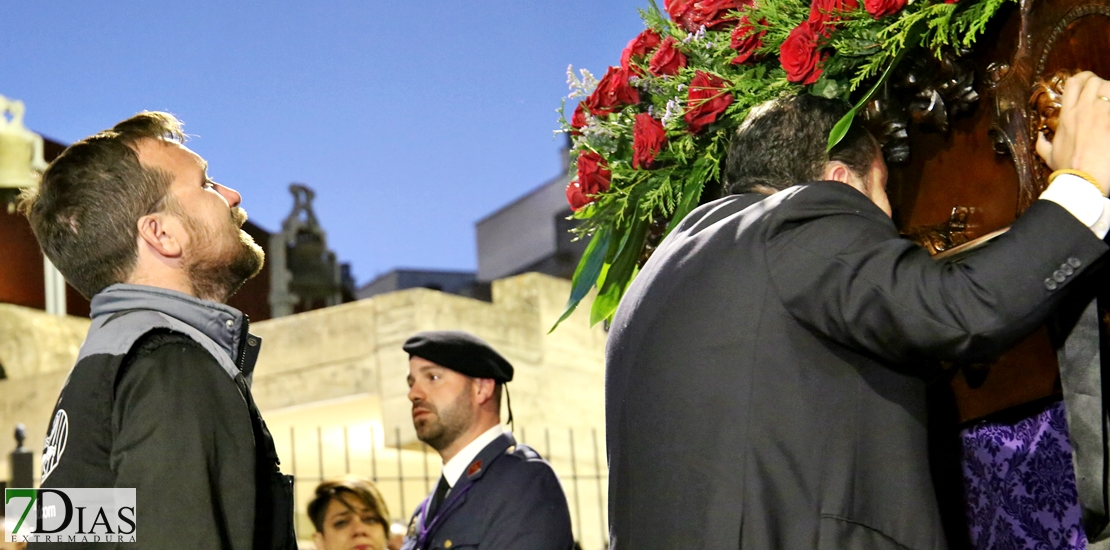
[507, 498]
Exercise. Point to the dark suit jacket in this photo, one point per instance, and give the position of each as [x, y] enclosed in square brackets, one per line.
[508, 498]
[764, 383]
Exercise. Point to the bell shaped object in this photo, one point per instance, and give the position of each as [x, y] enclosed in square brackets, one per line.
[21, 158]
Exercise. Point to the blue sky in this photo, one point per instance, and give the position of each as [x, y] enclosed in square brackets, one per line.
[411, 120]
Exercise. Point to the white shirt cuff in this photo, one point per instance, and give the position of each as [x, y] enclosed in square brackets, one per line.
[1083, 200]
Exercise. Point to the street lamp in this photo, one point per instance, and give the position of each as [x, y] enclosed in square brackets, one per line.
[21, 164]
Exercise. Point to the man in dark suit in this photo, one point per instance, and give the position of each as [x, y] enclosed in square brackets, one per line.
[494, 493]
[766, 375]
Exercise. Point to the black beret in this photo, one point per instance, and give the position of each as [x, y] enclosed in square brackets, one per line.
[461, 352]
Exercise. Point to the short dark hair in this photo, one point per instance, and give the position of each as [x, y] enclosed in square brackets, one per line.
[85, 211]
[361, 488]
[782, 143]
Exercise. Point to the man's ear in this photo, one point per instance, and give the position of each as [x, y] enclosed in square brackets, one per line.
[483, 389]
[838, 171]
[159, 232]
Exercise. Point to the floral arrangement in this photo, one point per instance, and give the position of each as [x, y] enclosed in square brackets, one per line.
[651, 134]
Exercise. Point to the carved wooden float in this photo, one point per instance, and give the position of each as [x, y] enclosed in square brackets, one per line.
[959, 135]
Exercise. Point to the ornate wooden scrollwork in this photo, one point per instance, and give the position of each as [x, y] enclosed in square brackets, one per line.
[656, 230]
[1045, 102]
[952, 233]
[929, 91]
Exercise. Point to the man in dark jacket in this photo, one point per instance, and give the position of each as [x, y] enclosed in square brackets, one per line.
[159, 399]
[765, 386]
[494, 493]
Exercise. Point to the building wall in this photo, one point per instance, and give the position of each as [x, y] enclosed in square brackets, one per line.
[37, 352]
[522, 233]
[356, 348]
[453, 282]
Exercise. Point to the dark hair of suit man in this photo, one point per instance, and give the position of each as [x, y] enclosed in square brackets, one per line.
[783, 143]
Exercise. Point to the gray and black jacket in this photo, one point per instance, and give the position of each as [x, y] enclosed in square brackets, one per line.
[159, 400]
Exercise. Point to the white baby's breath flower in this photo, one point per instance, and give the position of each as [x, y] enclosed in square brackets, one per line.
[580, 87]
[672, 111]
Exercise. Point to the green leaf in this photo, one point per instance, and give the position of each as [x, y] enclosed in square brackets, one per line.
[841, 128]
[605, 305]
[620, 272]
[692, 189]
[827, 87]
[586, 274]
[691, 194]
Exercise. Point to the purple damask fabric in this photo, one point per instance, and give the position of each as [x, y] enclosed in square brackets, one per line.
[1020, 484]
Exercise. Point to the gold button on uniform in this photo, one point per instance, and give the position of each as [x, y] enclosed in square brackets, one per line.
[447, 544]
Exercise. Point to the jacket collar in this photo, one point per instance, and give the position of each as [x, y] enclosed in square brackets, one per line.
[223, 324]
[477, 468]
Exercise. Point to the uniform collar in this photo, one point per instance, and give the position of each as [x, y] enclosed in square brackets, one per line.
[454, 468]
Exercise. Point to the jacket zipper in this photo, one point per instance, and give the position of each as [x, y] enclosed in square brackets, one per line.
[244, 334]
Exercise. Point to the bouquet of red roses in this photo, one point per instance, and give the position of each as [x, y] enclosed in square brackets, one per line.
[650, 135]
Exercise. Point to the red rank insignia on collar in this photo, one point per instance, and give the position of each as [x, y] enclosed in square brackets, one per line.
[474, 468]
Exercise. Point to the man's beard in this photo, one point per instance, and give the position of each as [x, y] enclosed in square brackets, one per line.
[441, 428]
[220, 261]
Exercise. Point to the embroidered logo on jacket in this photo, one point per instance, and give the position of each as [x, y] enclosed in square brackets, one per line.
[474, 468]
[55, 443]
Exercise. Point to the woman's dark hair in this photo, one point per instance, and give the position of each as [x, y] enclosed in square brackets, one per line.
[361, 488]
[782, 143]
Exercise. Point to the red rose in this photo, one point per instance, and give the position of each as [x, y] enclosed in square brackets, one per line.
[593, 173]
[746, 40]
[882, 8]
[823, 13]
[799, 55]
[575, 197]
[648, 137]
[716, 13]
[612, 92]
[693, 14]
[707, 99]
[667, 59]
[639, 47]
[578, 120]
[593, 178]
[681, 12]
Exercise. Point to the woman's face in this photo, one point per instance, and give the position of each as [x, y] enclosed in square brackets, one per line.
[350, 525]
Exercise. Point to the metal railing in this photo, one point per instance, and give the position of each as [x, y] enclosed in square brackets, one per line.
[405, 474]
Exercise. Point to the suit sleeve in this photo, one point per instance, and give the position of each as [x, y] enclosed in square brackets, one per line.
[847, 276]
[534, 515]
[171, 415]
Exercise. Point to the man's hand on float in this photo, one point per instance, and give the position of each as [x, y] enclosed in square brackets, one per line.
[1082, 140]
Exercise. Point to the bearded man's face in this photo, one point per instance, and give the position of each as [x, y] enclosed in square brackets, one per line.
[220, 256]
[217, 255]
[443, 403]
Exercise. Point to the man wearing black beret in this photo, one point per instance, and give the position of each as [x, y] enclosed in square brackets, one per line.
[494, 493]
